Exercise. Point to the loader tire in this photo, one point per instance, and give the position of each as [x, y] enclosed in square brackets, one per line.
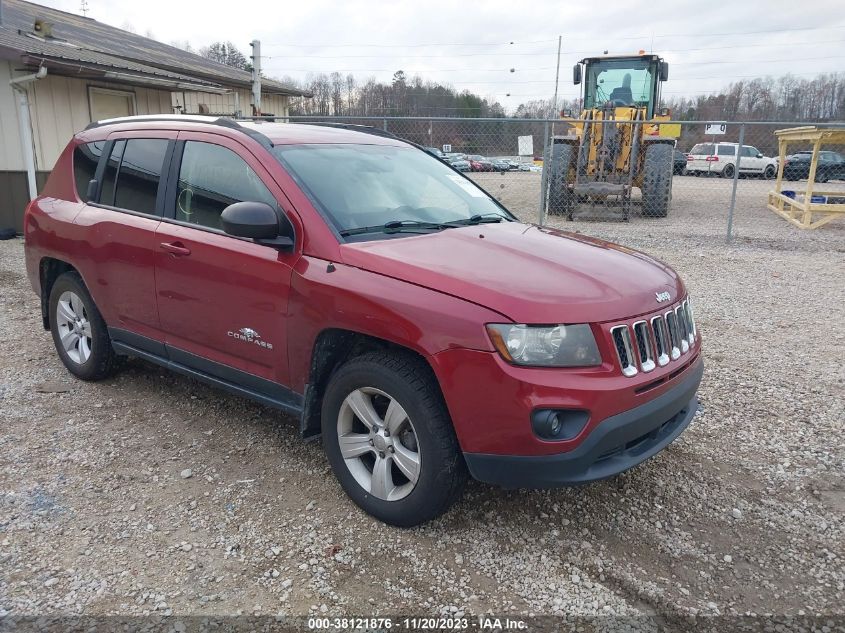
[561, 198]
[657, 180]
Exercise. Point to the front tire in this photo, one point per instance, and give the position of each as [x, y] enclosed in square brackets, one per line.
[770, 172]
[657, 180]
[79, 332]
[389, 439]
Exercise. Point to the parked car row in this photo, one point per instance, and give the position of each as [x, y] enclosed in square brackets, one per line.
[475, 162]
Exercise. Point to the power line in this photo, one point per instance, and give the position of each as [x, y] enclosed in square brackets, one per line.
[406, 45]
[518, 81]
[583, 52]
[566, 37]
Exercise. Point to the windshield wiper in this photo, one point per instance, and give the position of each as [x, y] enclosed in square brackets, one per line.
[478, 218]
[399, 226]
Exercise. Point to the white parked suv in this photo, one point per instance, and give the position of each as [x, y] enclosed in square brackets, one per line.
[720, 159]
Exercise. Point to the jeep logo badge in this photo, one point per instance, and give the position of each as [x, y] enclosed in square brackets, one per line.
[662, 296]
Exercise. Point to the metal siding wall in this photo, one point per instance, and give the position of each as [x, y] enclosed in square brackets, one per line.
[225, 103]
[11, 156]
[60, 109]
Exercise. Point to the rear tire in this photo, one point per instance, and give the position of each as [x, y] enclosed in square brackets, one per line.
[728, 171]
[402, 465]
[657, 180]
[79, 332]
[561, 197]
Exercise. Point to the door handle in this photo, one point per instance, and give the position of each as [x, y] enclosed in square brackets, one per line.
[177, 249]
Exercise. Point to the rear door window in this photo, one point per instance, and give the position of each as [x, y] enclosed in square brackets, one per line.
[139, 175]
[727, 150]
[85, 160]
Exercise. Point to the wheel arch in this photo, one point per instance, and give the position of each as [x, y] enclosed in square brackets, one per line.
[49, 270]
[332, 348]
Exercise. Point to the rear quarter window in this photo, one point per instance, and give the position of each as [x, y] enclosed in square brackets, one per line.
[702, 149]
[85, 160]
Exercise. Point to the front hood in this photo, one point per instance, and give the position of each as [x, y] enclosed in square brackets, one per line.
[528, 273]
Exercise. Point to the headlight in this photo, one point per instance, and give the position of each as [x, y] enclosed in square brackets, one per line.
[546, 345]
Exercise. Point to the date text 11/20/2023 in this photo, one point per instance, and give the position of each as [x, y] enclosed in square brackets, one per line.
[483, 623]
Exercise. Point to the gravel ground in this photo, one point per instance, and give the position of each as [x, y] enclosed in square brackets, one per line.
[151, 493]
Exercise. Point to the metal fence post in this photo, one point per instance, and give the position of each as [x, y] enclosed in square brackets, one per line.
[541, 213]
[385, 125]
[736, 182]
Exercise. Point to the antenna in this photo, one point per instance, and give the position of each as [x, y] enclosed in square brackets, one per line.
[83, 6]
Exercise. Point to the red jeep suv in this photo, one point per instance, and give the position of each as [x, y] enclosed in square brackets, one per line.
[349, 278]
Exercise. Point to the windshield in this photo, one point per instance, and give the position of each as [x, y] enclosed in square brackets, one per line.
[624, 83]
[359, 186]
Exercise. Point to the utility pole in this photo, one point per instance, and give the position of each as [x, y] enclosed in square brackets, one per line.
[548, 149]
[557, 77]
[256, 77]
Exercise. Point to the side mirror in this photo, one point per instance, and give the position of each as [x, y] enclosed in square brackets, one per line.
[664, 71]
[759, 155]
[576, 74]
[254, 220]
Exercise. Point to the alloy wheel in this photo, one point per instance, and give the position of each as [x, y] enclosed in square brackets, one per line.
[379, 444]
[74, 327]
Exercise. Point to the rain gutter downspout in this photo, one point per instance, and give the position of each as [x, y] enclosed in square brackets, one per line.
[20, 84]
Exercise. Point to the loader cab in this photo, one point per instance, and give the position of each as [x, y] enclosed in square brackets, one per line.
[632, 81]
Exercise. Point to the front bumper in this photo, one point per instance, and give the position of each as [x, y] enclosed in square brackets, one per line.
[616, 444]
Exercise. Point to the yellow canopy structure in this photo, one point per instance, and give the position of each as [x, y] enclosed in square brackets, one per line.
[809, 209]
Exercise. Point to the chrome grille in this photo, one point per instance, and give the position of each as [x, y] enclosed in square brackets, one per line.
[656, 342]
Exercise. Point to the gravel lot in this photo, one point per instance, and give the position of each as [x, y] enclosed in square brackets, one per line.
[151, 493]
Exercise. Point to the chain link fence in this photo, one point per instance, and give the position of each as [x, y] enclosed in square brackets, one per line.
[712, 177]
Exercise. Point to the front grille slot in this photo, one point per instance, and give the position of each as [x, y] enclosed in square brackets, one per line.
[681, 320]
[622, 340]
[661, 340]
[691, 333]
[674, 336]
[645, 345]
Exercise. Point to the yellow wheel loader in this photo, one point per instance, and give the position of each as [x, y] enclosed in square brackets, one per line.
[618, 142]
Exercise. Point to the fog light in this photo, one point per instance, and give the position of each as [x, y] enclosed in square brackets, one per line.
[562, 424]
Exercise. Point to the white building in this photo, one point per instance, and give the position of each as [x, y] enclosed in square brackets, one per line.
[63, 71]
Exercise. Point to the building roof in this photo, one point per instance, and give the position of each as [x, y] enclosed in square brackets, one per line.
[84, 47]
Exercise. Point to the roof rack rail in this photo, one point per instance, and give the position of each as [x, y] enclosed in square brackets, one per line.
[364, 129]
[187, 118]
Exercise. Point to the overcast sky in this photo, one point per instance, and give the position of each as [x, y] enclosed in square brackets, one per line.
[475, 45]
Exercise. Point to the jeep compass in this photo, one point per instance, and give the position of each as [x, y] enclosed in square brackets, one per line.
[355, 282]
